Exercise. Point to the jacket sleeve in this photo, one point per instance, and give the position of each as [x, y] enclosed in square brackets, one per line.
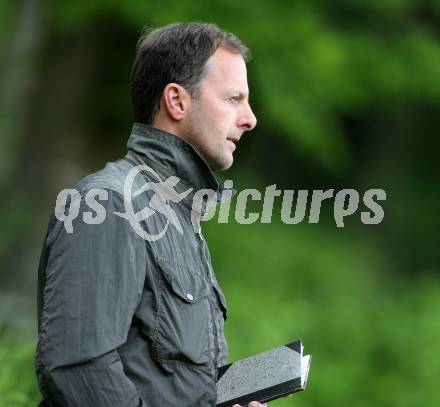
[94, 278]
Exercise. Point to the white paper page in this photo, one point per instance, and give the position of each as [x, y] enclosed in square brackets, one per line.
[305, 364]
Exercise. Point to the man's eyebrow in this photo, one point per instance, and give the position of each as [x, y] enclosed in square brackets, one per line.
[240, 95]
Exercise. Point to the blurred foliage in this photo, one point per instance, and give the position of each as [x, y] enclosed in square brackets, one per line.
[346, 93]
[373, 335]
[17, 384]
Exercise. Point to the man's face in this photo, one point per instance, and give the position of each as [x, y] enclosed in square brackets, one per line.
[219, 117]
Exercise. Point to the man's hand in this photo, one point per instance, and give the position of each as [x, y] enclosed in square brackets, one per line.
[252, 404]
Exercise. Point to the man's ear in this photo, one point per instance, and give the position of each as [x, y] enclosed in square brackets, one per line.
[176, 101]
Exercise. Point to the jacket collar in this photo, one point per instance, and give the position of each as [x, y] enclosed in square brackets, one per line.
[170, 155]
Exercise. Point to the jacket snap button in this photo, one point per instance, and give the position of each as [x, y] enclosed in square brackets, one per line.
[189, 296]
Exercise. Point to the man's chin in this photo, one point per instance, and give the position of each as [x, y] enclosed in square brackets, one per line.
[224, 164]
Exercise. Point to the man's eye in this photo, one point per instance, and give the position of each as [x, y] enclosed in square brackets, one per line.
[234, 99]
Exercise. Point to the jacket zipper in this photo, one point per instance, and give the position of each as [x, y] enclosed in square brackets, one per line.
[204, 258]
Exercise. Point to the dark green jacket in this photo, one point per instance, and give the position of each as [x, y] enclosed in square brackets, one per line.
[125, 321]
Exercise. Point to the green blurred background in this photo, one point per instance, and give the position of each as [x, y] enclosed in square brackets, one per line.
[347, 94]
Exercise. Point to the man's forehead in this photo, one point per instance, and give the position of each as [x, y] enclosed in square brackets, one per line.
[225, 62]
[227, 68]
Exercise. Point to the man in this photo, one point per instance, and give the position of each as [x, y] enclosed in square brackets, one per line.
[130, 321]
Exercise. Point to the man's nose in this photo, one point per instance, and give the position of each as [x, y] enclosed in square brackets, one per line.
[247, 120]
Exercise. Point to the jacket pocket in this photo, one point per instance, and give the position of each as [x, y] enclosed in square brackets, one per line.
[183, 319]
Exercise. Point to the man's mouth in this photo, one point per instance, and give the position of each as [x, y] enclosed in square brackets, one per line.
[232, 141]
